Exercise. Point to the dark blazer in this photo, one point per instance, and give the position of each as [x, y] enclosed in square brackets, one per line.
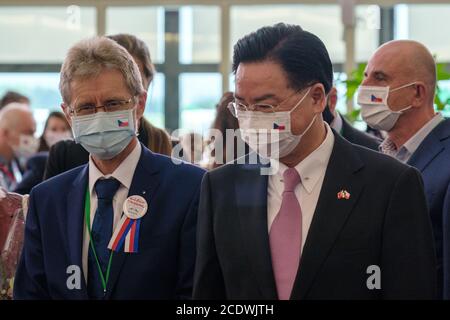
[384, 223]
[358, 137]
[432, 159]
[63, 156]
[162, 269]
[33, 174]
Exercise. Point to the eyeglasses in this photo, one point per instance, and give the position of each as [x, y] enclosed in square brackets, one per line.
[236, 107]
[109, 106]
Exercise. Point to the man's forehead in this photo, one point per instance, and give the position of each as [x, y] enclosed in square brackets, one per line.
[385, 60]
[256, 79]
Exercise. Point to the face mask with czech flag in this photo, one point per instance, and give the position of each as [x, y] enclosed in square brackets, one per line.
[269, 133]
[105, 134]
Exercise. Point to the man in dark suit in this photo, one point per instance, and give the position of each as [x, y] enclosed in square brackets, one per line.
[341, 125]
[110, 229]
[33, 173]
[333, 221]
[416, 134]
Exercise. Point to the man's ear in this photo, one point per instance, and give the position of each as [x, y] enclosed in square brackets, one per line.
[420, 94]
[332, 100]
[66, 111]
[3, 133]
[140, 107]
[319, 97]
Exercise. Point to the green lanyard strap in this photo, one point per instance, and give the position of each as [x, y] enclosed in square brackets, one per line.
[87, 214]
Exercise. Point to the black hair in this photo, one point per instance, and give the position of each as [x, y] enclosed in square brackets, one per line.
[301, 54]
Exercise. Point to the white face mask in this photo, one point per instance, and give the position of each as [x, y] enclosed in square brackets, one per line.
[375, 110]
[105, 134]
[269, 133]
[28, 146]
[52, 137]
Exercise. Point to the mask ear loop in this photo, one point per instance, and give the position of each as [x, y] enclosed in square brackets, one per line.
[404, 86]
[301, 100]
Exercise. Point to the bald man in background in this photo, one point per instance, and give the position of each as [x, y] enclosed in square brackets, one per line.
[397, 96]
[17, 142]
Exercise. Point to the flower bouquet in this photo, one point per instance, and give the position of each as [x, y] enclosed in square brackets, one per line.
[12, 222]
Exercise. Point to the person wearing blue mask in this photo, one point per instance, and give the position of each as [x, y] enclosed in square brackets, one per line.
[110, 229]
[397, 96]
[317, 217]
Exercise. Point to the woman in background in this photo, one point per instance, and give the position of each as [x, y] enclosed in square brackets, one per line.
[56, 129]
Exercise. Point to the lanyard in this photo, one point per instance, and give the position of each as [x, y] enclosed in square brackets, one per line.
[87, 214]
[5, 170]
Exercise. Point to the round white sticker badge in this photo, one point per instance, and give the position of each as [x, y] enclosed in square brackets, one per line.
[135, 207]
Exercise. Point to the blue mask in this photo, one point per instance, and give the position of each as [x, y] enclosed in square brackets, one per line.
[104, 134]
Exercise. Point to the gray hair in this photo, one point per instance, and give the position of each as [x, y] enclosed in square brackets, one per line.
[88, 58]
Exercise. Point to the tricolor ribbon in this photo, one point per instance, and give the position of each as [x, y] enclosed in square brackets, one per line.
[127, 231]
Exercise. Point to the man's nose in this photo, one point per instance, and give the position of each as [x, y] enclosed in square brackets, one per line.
[367, 82]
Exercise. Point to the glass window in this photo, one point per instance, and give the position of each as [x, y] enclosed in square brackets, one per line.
[43, 34]
[43, 91]
[199, 30]
[322, 20]
[146, 23]
[410, 23]
[154, 108]
[199, 94]
[41, 88]
[367, 32]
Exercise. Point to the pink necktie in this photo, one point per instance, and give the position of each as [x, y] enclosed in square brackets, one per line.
[286, 237]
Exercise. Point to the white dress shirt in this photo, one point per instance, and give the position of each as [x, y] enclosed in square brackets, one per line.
[312, 172]
[124, 174]
[337, 123]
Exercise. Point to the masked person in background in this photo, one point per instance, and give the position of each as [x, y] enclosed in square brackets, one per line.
[56, 129]
[17, 142]
[331, 214]
[344, 127]
[397, 96]
[125, 221]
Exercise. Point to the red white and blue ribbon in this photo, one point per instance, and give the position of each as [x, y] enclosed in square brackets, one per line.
[126, 235]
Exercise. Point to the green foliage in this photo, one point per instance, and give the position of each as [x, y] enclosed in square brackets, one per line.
[442, 97]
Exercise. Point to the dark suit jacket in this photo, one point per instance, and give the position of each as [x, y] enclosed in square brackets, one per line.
[63, 156]
[33, 174]
[432, 159]
[162, 269]
[358, 137]
[384, 223]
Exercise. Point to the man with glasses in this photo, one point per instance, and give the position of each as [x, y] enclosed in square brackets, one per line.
[333, 220]
[110, 229]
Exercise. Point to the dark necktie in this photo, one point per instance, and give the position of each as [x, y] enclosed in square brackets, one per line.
[101, 231]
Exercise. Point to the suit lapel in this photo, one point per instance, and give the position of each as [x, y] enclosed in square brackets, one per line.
[331, 213]
[251, 201]
[145, 183]
[74, 222]
[426, 152]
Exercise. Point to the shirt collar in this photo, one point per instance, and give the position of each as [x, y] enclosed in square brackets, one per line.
[313, 167]
[413, 143]
[123, 173]
[337, 124]
[409, 147]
